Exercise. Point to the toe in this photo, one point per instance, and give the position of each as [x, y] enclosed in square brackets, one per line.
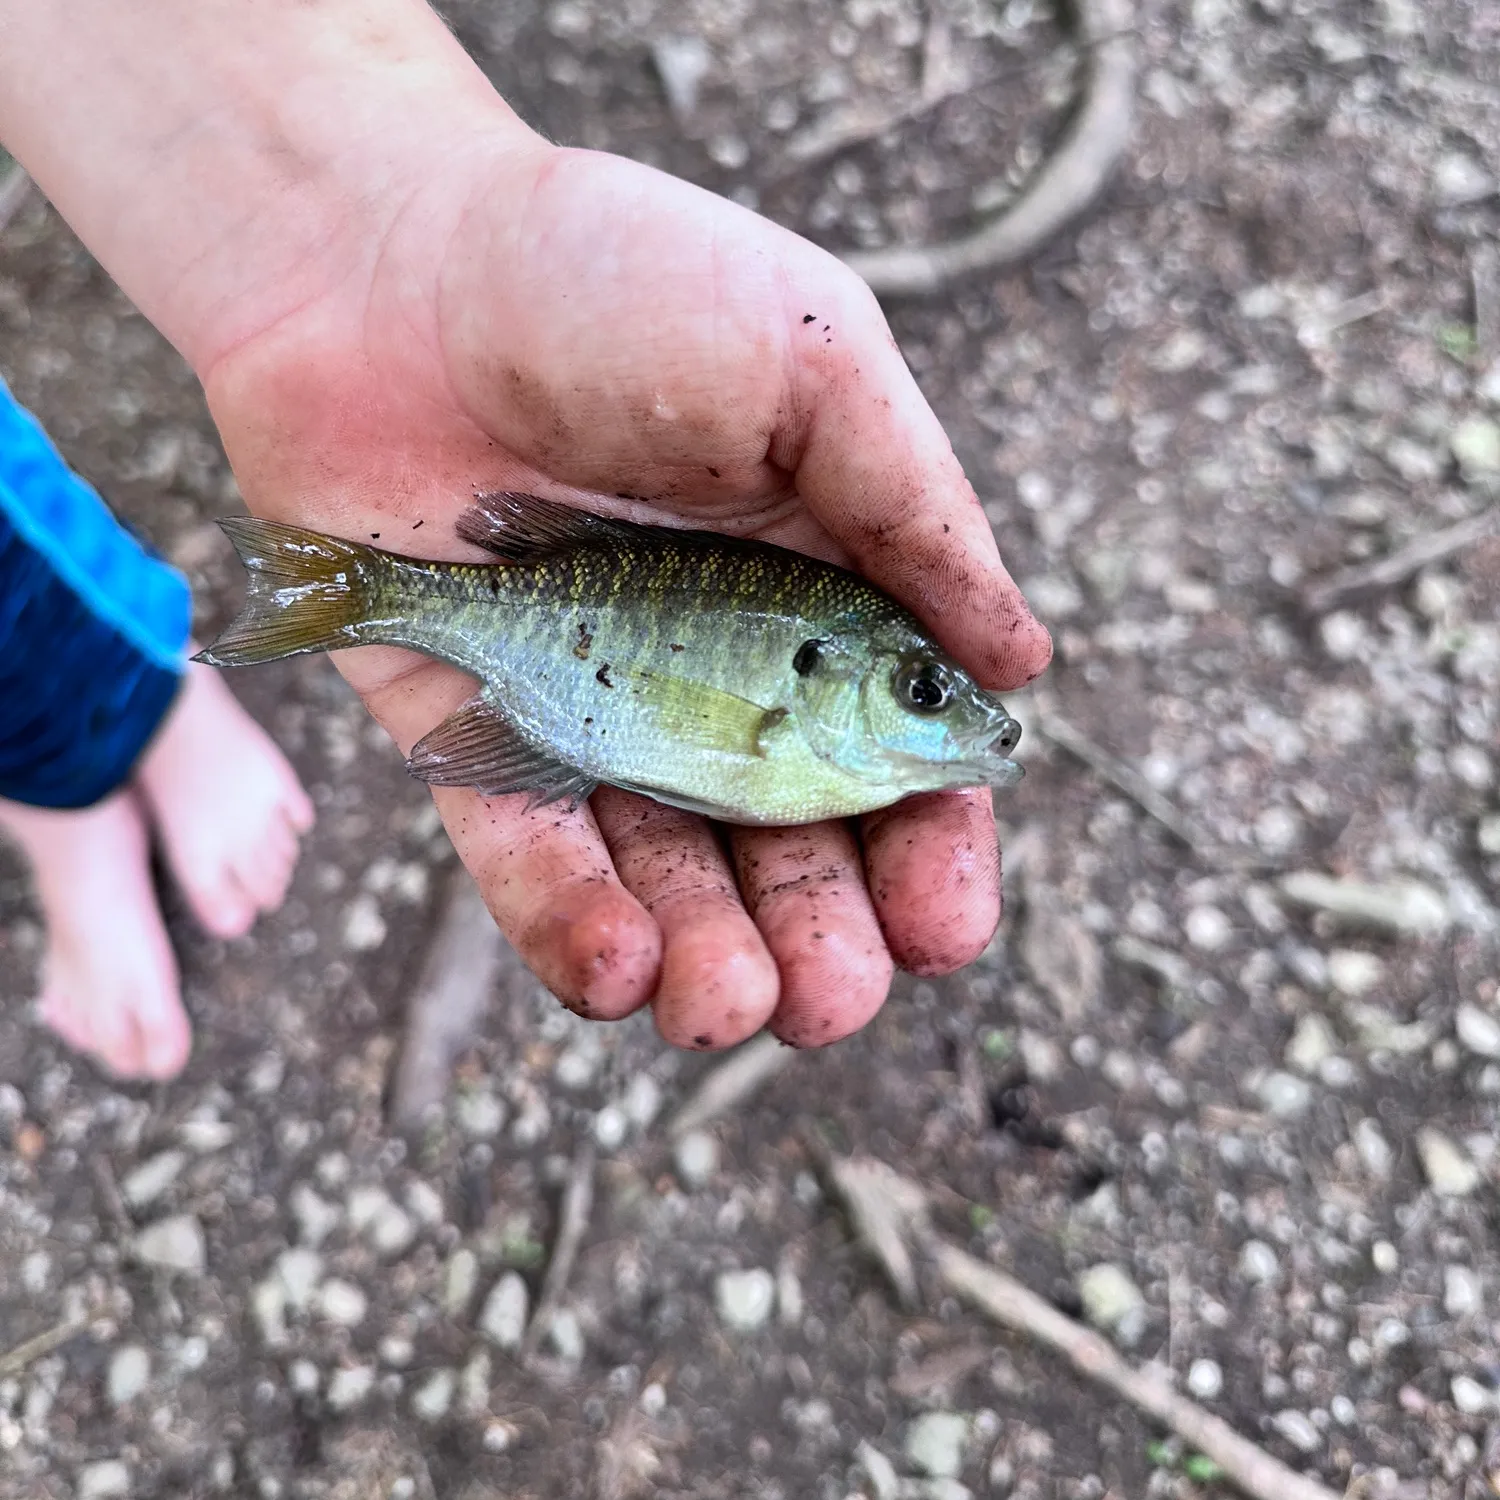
[296, 805]
[222, 904]
[165, 1036]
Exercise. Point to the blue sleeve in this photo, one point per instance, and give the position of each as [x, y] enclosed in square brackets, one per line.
[93, 629]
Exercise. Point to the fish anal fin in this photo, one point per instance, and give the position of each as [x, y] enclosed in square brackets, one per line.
[477, 746]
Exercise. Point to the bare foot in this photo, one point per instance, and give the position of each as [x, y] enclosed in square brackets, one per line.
[226, 803]
[109, 980]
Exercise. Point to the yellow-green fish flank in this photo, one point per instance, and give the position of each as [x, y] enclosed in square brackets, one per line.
[733, 678]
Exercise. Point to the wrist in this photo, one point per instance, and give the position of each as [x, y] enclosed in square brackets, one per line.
[231, 163]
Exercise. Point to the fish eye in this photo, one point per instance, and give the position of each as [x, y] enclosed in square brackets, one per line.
[809, 653]
[1009, 737]
[923, 686]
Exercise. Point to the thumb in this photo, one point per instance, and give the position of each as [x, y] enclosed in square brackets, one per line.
[874, 464]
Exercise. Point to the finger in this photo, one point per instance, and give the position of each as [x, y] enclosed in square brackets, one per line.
[933, 864]
[546, 874]
[719, 983]
[875, 466]
[806, 891]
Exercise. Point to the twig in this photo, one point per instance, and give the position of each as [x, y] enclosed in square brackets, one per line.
[1126, 779]
[109, 1194]
[577, 1205]
[1004, 1299]
[15, 189]
[744, 1071]
[1066, 184]
[1349, 584]
[458, 976]
[898, 1205]
[882, 1205]
[41, 1344]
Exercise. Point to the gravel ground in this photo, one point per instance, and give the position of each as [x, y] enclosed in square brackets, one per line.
[1243, 1119]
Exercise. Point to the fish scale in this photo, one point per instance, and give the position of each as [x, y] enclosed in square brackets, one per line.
[725, 676]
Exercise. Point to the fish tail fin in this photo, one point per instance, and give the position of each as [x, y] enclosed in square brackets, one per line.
[307, 592]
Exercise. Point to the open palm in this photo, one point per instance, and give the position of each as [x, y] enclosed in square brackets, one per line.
[575, 325]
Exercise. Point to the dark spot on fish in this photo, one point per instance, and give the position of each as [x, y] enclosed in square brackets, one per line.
[809, 653]
[675, 647]
[705, 1040]
[588, 721]
[809, 317]
[714, 471]
[602, 676]
[585, 641]
[416, 525]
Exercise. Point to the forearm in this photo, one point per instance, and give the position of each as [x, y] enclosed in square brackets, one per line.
[226, 159]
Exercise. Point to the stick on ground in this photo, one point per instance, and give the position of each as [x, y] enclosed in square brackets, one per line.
[1067, 183]
[573, 1223]
[744, 1071]
[35, 1348]
[1351, 584]
[458, 975]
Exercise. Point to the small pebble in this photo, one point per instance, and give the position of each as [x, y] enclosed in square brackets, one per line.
[460, 1282]
[434, 1396]
[935, 1443]
[304, 1377]
[879, 1470]
[425, 1203]
[1405, 907]
[1258, 1263]
[499, 1436]
[314, 1217]
[1312, 1044]
[343, 1303]
[611, 1126]
[1208, 929]
[152, 1178]
[1385, 1257]
[696, 1157]
[1488, 834]
[299, 1270]
[1463, 1297]
[174, 1244]
[1449, 1172]
[204, 1137]
[479, 1114]
[364, 928]
[474, 1384]
[129, 1370]
[566, 1337]
[1469, 1396]
[268, 1309]
[1374, 1150]
[103, 1480]
[1285, 1095]
[1478, 1030]
[347, 1388]
[1113, 1302]
[396, 1350]
[503, 1318]
[744, 1299]
[1297, 1428]
[642, 1101]
[1205, 1379]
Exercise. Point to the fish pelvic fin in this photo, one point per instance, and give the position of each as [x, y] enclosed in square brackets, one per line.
[306, 592]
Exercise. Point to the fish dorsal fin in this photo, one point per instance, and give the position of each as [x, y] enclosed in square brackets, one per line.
[476, 745]
[525, 528]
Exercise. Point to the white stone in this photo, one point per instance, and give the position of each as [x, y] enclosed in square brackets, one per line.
[566, 1336]
[1463, 1297]
[1487, 834]
[1354, 973]
[1208, 929]
[1285, 1095]
[299, 1270]
[152, 1178]
[611, 1126]
[129, 1371]
[479, 1114]
[744, 1299]
[315, 1217]
[434, 1396]
[1297, 1428]
[425, 1203]
[1469, 1396]
[1205, 1379]
[696, 1157]
[1312, 1044]
[503, 1319]
[347, 1388]
[1478, 1030]
[642, 1101]
[1449, 1172]
[935, 1443]
[343, 1303]
[460, 1282]
[174, 1244]
[268, 1308]
[204, 1137]
[879, 1470]
[304, 1377]
[1113, 1302]
[103, 1480]
[1402, 906]
[1457, 180]
[364, 928]
[1258, 1263]
[1385, 1257]
[474, 1384]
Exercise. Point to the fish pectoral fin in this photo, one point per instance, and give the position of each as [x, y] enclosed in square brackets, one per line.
[477, 746]
[697, 713]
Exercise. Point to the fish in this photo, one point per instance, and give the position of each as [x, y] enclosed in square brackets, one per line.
[725, 676]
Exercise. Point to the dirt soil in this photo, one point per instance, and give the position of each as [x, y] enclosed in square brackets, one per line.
[1273, 351]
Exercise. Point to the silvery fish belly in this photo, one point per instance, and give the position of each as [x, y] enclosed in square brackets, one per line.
[732, 678]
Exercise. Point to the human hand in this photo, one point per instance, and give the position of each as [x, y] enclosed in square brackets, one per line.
[470, 308]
